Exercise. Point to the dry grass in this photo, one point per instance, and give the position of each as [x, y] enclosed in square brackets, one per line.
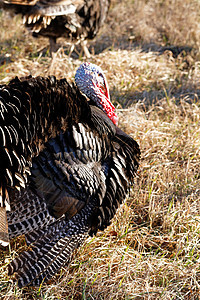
[152, 248]
[164, 22]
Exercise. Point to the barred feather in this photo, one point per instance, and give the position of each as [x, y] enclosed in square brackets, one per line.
[29, 212]
[46, 258]
[74, 166]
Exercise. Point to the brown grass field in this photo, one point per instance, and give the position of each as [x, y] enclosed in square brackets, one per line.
[150, 52]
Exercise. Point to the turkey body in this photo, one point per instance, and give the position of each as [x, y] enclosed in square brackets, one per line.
[75, 20]
[81, 166]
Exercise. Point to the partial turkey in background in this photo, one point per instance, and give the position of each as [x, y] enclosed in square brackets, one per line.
[65, 167]
[75, 20]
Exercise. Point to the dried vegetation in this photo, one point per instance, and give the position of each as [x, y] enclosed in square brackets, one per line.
[151, 59]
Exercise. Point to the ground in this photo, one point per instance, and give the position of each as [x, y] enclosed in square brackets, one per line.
[151, 59]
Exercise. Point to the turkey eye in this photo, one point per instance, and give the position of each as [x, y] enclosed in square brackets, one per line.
[101, 79]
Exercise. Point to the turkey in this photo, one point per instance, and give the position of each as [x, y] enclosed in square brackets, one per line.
[76, 20]
[65, 167]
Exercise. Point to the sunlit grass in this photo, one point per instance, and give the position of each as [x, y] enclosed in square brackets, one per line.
[151, 250]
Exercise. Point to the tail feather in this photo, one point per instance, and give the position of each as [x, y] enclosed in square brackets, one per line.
[4, 207]
[24, 205]
[52, 249]
[4, 237]
[51, 231]
[20, 228]
[49, 264]
[29, 212]
[41, 241]
[62, 258]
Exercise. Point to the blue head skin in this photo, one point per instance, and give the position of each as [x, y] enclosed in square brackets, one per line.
[91, 81]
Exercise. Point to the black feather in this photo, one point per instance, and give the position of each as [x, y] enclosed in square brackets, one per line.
[76, 21]
[81, 169]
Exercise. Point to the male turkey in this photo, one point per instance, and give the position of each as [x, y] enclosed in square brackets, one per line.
[80, 166]
[76, 20]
